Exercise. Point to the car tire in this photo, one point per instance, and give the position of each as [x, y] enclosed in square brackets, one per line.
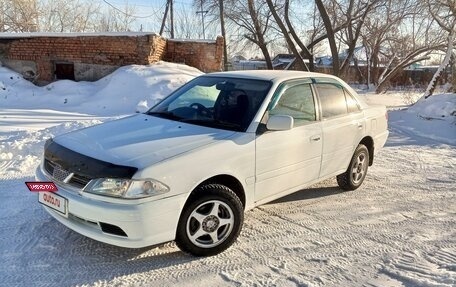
[210, 221]
[356, 171]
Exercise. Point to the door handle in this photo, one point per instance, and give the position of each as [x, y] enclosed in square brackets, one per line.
[315, 138]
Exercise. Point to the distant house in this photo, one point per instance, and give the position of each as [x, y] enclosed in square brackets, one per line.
[237, 58]
[420, 67]
[359, 55]
[249, 65]
[323, 61]
[281, 61]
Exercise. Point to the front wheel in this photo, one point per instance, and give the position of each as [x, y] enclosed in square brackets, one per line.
[210, 222]
[357, 170]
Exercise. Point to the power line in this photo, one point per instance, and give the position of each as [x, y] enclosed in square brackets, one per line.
[127, 14]
[203, 13]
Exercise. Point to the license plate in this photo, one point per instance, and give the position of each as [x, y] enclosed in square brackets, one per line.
[54, 201]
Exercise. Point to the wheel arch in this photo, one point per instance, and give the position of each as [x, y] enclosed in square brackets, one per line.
[369, 143]
[231, 182]
[227, 180]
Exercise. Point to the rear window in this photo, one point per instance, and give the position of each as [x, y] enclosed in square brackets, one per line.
[332, 98]
[352, 104]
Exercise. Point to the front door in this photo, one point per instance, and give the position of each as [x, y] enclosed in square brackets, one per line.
[286, 160]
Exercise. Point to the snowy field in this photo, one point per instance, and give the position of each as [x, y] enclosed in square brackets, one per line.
[398, 229]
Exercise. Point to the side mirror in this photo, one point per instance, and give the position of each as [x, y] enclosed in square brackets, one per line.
[280, 123]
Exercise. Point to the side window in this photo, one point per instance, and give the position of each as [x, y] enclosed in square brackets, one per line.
[352, 104]
[296, 101]
[332, 98]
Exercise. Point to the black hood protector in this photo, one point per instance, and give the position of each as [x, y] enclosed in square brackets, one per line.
[83, 165]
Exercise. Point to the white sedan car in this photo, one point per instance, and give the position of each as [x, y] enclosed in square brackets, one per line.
[223, 143]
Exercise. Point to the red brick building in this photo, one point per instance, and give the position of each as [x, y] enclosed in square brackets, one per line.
[44, 57]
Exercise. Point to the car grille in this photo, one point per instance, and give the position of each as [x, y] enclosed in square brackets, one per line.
[59, 174]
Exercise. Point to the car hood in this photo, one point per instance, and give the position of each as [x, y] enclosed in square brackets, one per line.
[139, 140]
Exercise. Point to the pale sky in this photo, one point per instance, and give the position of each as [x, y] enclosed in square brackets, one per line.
[150, 13]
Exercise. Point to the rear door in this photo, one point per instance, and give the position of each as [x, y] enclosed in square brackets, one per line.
[342, 125]
[288, 159]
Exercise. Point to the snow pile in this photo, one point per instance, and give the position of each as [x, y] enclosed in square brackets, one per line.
[391, 99]
[22, 150]
[129, 89]
[433, 118]
[439, 107]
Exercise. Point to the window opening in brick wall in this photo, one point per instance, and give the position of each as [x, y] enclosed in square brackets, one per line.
[64, 71]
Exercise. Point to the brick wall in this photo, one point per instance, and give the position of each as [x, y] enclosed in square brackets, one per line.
[204, 55]
[97, 50]
[107, 51]
[157, 46]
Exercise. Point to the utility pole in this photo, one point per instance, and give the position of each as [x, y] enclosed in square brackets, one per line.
[164, 18]
[2, 17]
[203, 13]
[169, 7]
[171, 17]
[222, 27]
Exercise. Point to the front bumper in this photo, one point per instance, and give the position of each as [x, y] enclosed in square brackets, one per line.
[144, 223]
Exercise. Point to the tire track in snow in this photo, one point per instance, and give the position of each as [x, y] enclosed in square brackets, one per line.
[316, 237]
[445, 258]
[6, 165]
[413, 268]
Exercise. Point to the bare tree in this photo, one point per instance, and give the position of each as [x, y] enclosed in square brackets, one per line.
[18, 16]
[355, 15]
[222, 28]
[304, 49]
[186, 26]
[259, 31]
[254, 20]
[117, 20]
[216, 9]
[290, 44]
[66, 16]
[343, 21]
[444, 13]
[331, 35]
[83, 16]
[397, 35]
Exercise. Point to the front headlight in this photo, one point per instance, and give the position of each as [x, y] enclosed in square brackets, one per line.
[126, 188]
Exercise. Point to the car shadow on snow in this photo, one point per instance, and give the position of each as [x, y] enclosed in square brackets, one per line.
[90, 262]
[84, 261]
[310, 193]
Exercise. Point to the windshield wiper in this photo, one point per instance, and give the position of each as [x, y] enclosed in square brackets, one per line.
[164, 115]
[213, 123]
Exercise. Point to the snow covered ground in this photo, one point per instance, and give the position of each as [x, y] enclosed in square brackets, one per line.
[128, 89]
[398, 229]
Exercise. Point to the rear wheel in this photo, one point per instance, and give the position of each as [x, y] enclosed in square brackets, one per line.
[210, 222]
[357, 170]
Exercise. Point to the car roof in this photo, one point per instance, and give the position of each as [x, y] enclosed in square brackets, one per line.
[278, 76]
[270, 75]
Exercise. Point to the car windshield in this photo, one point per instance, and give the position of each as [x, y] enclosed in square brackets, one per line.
[212, 101]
